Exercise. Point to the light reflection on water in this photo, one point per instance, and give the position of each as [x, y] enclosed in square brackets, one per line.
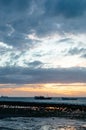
[23, 123]
[62, 128]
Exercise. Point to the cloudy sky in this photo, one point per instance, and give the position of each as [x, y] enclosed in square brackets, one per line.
[43, 47]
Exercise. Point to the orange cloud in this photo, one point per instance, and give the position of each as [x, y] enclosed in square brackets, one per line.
[44, 89]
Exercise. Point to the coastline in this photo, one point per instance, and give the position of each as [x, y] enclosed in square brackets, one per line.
[34, 109]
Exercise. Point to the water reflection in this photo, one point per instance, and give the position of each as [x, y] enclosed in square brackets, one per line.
[27, 123]
[68, 128]
[47, 127]
[71, 128]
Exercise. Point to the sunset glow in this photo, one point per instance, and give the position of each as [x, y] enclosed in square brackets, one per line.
[55, 90]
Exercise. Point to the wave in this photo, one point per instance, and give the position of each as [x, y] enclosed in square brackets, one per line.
[25, 123]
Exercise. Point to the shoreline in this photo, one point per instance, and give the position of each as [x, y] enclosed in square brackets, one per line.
[34, 109]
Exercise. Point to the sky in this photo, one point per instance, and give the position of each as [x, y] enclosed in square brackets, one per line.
[43, 47]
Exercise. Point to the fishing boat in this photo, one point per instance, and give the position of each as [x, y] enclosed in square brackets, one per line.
[42, 98]
[4, 97]
[69, 98]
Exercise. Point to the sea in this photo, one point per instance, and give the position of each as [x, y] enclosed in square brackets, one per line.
[49, 123]
[30, 123]
[57, 100]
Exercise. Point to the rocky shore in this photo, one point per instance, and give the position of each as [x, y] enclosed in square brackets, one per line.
[27, 109]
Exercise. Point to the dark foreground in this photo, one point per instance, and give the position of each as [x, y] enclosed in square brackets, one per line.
[29, 109]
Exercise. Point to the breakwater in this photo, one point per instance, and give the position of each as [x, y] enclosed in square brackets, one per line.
[36, 109]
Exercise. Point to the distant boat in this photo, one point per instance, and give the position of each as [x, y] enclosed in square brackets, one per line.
[4, 96]
[42, 98]
[69, 98]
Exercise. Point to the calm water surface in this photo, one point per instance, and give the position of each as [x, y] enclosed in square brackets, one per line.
[80, 101]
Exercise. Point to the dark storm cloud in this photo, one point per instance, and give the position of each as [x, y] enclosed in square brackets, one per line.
[67, 8]
[65, 40]
[40, 17]
[45, 16]
[14, 6]
[77, 51]
[84, 55]
[11, 11]
[35, 64]
[30, 76]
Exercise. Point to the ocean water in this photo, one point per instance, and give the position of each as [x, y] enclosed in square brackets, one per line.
[78, 101]
[30, 123]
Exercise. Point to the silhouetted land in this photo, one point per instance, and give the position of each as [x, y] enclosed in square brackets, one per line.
[34, 109]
